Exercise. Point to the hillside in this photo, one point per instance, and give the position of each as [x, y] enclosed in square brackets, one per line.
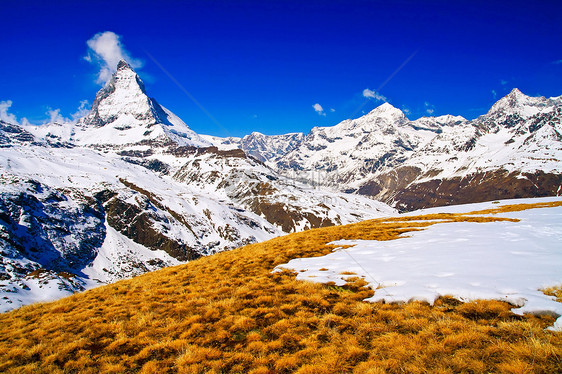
[231, 313]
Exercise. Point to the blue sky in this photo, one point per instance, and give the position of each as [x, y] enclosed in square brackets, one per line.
[263, 65]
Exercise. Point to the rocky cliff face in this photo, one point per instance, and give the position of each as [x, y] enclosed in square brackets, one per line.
[270, 147]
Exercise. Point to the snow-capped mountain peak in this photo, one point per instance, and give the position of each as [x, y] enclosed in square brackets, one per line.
[387, 111]
[123, 114]
[126, 76]
[123, 94]
[516, 102]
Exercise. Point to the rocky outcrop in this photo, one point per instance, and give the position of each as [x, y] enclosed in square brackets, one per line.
[11, 135]
[58, 230]
[477, 187]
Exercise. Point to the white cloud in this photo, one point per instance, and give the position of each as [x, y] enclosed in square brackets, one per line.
[332, 110]
[370, 94]
[105, 50]
[82, 110]
[318, 108]
[55, 116]
[9, 117]
[4, 115]
[429, 108]
[406, 111]
[494, 93]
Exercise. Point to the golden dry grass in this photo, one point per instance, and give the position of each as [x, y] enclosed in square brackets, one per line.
[228, 313]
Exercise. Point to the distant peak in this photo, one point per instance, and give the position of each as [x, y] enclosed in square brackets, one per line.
[385, 106]
[515, 96]
[513, 99]
[517, 102]
[516, 93]
[386, 109]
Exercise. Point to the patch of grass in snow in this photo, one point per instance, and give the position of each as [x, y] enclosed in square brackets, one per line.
[555, 291]
[228, 313]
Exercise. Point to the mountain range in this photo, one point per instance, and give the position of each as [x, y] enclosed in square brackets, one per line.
[513, 151]
[130, 188]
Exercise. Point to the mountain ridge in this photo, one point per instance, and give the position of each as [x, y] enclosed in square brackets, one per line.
[516, 145]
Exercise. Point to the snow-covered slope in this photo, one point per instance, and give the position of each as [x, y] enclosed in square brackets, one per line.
[507, 261]
[77, 211]
[130, 188]
[514, 150]
[224, 144]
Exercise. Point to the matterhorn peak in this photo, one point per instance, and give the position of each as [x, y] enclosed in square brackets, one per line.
[126, 78]
[122, 64]
[123, 113]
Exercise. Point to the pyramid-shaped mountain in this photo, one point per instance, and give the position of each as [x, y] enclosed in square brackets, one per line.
[123, 114]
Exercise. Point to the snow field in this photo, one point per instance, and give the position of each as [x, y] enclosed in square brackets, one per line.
[507, 261]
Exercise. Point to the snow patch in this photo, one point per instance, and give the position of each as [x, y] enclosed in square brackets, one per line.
[507, 261]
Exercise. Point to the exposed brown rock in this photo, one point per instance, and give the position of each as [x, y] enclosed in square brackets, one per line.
[188, 151]
[137, 223]
[286, 216]
[479, 187]
[387, 184]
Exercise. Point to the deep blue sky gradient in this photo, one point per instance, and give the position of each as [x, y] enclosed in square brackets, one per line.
[261, 65]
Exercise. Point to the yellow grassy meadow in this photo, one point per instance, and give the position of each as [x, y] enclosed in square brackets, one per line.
[228, 313]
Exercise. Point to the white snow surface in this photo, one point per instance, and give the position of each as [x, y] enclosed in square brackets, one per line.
[508, 261]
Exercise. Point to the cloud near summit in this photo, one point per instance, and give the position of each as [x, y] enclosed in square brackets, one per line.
[105, 50]
[318, 109]
[371, 94]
